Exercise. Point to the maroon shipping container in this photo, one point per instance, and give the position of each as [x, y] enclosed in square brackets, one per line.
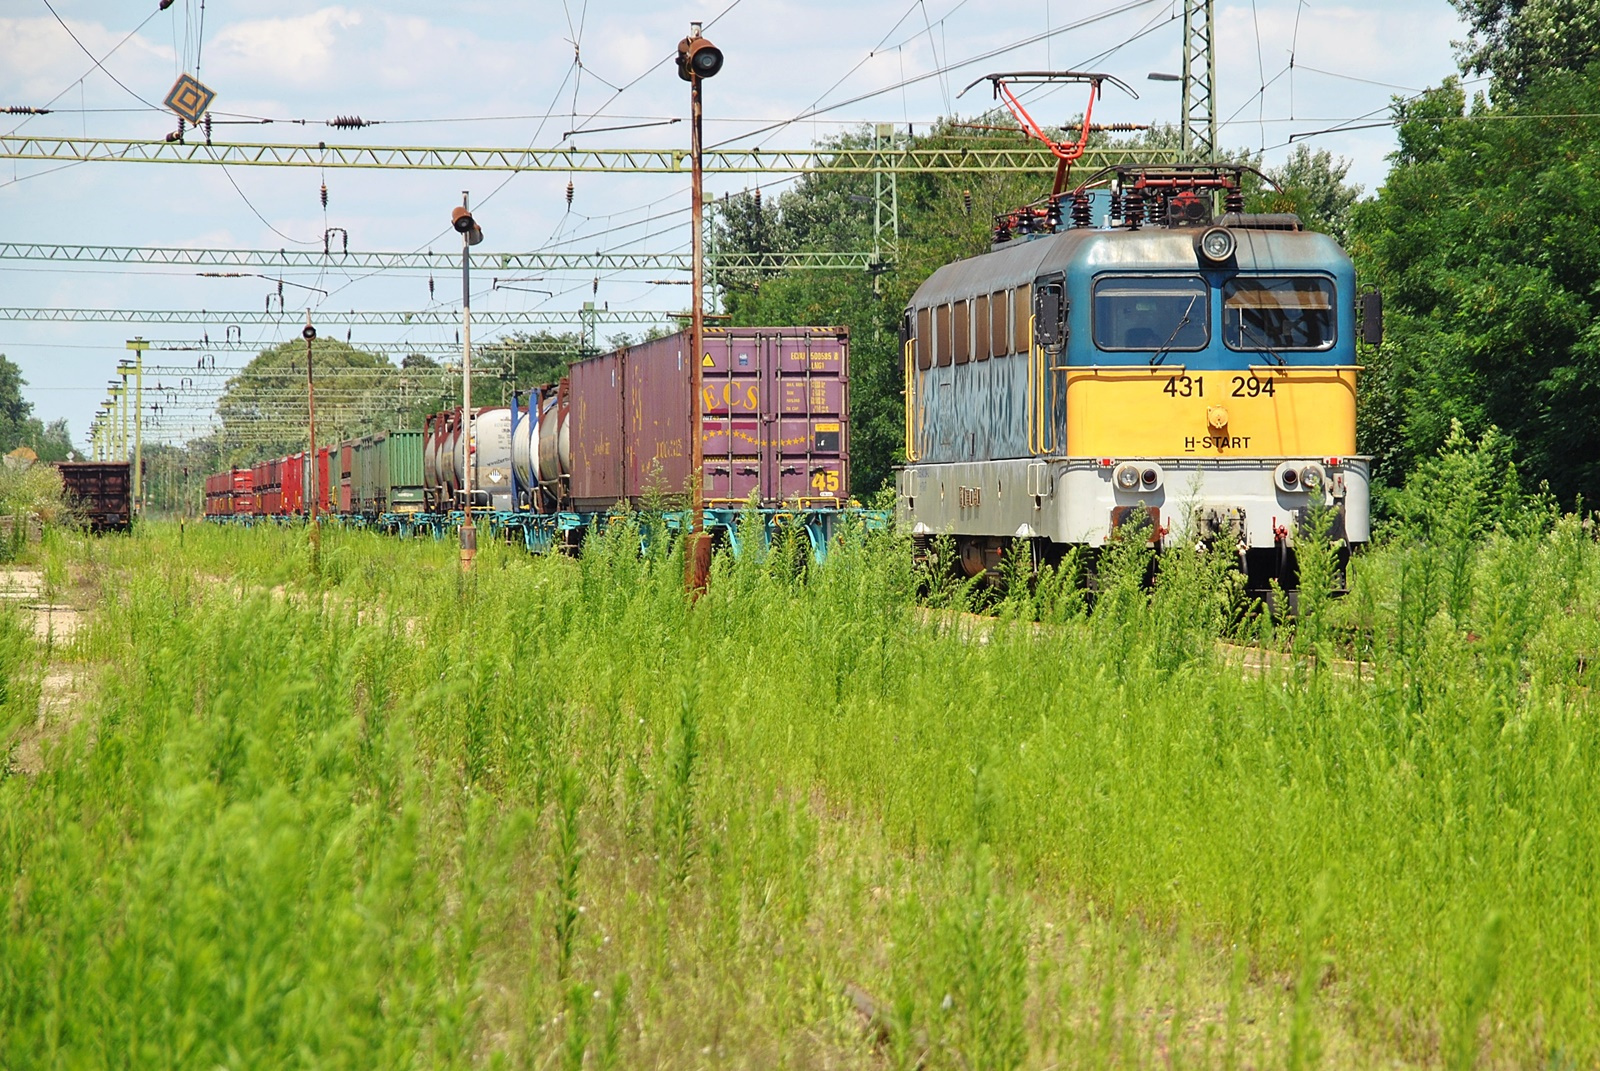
[269, 496]
[597, 431]
[346, 456]
[324, 482]
[775, 418]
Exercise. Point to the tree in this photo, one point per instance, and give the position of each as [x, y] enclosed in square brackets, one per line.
[1312, 186]
[1480, 239]
[263, 408]
[14, 409]
[1519, 40]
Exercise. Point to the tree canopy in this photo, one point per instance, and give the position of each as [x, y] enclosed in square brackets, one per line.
[1482, 239]
[1517, 41]
[18, 425]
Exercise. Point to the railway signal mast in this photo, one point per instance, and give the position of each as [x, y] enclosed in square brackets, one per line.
[471, 234]
[698, 59]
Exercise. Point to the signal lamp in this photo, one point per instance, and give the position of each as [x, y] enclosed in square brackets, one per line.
[1218, 245]
[1310, 478]
[1149, 476]
[1127, 477]
[1291, 478]
[463, 222]
[698, 58]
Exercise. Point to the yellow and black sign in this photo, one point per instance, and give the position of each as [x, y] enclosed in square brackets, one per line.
[189, 98]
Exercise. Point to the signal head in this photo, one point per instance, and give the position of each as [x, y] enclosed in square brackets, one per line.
[698, 58]
[464, 224]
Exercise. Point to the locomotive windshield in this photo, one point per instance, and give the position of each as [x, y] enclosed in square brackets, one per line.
[1149, 314]
[1277, 313]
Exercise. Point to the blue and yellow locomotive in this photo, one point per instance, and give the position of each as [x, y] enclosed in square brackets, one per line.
[1199, 372]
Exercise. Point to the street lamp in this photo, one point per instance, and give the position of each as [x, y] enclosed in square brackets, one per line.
[698, 59]
[471, 234]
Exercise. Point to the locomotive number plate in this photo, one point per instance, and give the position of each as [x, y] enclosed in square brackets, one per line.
[1238, 387]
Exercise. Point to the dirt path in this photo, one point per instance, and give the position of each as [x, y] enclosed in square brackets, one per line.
[65, 681]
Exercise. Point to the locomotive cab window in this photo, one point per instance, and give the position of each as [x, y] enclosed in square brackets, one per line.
[1146, 314]
[1278, 313]
[924, 339]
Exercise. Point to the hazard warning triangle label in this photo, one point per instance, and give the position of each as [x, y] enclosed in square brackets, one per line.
[707, 362]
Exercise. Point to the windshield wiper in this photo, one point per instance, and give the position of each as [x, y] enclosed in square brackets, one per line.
[1161, 355]
[1261, 343]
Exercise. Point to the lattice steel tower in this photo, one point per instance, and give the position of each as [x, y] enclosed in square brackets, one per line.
[1199, 82]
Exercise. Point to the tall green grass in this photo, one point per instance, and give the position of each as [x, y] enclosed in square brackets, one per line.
[559, 814]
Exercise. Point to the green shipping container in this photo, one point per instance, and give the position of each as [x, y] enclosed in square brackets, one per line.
[363, 476]
[400, 465]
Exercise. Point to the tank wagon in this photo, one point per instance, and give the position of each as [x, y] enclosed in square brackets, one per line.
[774, 424]
[1194, 374]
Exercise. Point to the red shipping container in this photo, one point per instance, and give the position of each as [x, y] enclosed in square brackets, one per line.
[243, 499]
[292, 483]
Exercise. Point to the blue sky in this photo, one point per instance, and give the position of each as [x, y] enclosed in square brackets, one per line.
[509, 74]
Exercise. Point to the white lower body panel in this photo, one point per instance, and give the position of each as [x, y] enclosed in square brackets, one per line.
[1078, 501]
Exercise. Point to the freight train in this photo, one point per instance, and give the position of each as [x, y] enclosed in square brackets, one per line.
[1192, 374]
[774, 424]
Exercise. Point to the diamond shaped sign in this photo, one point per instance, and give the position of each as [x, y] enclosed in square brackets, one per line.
[189, 98]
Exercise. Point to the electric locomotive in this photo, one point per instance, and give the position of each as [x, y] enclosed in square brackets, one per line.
[1196, 374]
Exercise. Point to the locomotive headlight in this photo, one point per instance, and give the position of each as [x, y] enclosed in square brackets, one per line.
[1217, 245]
[1311, 478]
[1127, 477]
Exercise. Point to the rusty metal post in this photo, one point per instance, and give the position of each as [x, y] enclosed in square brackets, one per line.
[462, 220]
[697, 551]
[308, 473]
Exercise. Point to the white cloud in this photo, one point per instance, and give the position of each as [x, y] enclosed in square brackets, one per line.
[40, 60]
[303, 49]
